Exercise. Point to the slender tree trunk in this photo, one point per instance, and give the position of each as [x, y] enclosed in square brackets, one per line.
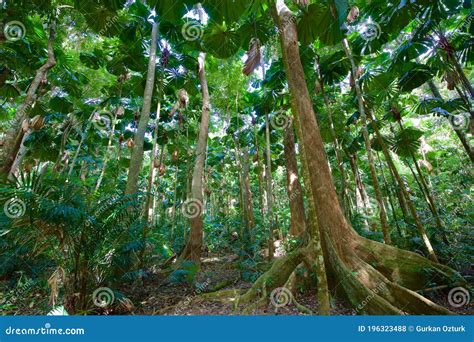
[360, 188]
[295, 193]
[261, 189]
[389, 195]
[426, 192]
[268, 174]
[192, 251]
[136, 159]
[14, 137]
[247, 191]
[175, 198]
[404, 191]
[370, 157]
[153, 162]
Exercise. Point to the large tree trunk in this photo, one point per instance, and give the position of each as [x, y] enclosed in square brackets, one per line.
[136, 159]
[15, 136]
[370, 156]
[295, 193]
[335, 142]
[192, 251]
[361, 268]
[315, 249]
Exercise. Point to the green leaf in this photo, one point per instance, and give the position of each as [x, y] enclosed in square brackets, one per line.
[318, 21]
[221, 42]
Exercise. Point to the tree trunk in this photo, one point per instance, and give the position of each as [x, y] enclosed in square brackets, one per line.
[316, 248]
[295, 193]
[14, 137]
[136, 159]
[404, 191]
[370, 157]
[362, 268]
[261, 188]
[389, 195]
[268, 175]
[360, 188]
[335, 142]
[192, 251]
[247, 191]
[153, 163]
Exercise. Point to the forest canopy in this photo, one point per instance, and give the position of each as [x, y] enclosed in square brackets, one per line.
[228, 157]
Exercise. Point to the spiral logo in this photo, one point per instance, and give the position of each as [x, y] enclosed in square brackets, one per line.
[460, 122]
[280, 120]
[14, 31]
[192, 208]
[192, 31]
[281, 297]
[14, 208]
[103, 120]
[370, 31]
[103, 297]
[458, 297]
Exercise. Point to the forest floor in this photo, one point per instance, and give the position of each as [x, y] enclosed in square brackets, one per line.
[179, 299]
[155, 296]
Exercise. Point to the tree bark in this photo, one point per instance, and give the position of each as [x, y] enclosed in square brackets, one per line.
[192, 251]
[295, 193]
[335, 142]
[136, 159]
